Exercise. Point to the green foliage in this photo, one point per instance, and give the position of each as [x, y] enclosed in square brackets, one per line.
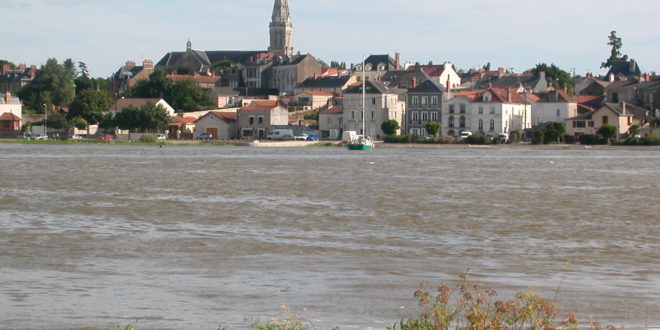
[149, 138]
[222, 67]
[515, 136]
[538, 136]
[615, 53]
[150, 117]
[83, 82]
[433, 128]
[78, 122]
[653, 140]
[558, 78]
[590, 139]
[183, 95]
[389, 127]
[487, 66]
[57, 121]
[479, 139]
[53, 85]
[11, 65]
[607, 131]
[634, 130]
[338, 65]
[471, 306]
[90, 105]
[70, 67]
[554, 132]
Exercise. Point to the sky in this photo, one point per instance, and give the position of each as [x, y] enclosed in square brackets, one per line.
[513, 34]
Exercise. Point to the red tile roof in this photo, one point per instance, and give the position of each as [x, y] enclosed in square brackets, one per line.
[431, 70]
[333, 110]
[8, 116]
[586, 98]
[226, 116]
[183, 119]
[262, 105]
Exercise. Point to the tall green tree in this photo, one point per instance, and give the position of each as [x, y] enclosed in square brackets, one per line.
[148, 118]
[11, 65]
[615, 54]
[53, 85]
[433, 128]
[70, 66]
[157, 86]
[90, 105]
[83, 70]
[554, 132]
[607, 131]
[558, 78]
[389, 127]
[188, 96]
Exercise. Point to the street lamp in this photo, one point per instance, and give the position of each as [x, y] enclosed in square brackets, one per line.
[46, 120]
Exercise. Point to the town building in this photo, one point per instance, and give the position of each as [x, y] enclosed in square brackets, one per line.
[610, 113]
[551, 106]
[13, 80]
[311, 100]
[182, 127]
[221, 125]
[488, 112]
[288, 72]
[255, 120]
[281, 30]
[331, 84]
[130, 73]
[382, 104]
[331, 122]
[424, 105]
[444, 74]
[375, 66]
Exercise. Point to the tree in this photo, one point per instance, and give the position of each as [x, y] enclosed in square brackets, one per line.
[188, 96]
[90, 105]
[10, 64]
[157, 86]
[554, 132]
[70, 67]
[79, 123]
[607, 131]
[433, 128]
[82, 69]
[389, 127]
[634, 130]
[558, 78]
[53, 85]
[615, 53]
[222, 67]
[487, 66]
[150, 117]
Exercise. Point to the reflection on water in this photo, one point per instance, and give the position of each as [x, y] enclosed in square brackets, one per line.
[195, 237]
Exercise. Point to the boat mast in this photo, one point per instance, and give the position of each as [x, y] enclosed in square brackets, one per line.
[364, 98]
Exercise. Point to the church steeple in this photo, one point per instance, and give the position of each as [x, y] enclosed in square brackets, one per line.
[281, 30]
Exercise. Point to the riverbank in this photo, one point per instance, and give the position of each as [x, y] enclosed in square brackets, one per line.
[378, 144]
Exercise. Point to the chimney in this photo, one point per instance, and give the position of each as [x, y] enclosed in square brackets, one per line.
[448, 86]
[509, 94]
[5, 68]
[397, 61]
[148, 64]
[646, 77]
[632, 65]
[130, 64]
[33, 71]
[7, 97]
[22, 66]
[500, 72]
[414, 82]
[612, 77]
[553, 96]
[623, 106]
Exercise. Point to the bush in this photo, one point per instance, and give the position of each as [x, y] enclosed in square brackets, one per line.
[653, 140]
[148, 138]
[514, 136]
[569, 139]
[591, 139]
[479, 139]
[538, 137]
[401, 139]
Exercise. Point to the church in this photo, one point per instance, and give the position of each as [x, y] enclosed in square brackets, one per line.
[278, 67]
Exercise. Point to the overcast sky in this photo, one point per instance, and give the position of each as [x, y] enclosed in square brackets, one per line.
[507, 33]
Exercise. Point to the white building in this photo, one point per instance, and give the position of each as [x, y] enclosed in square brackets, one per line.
[488, 112]
[10, 104]
[551, 106]
[382, 104]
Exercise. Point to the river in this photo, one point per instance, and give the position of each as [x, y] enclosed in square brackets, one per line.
[197, 237]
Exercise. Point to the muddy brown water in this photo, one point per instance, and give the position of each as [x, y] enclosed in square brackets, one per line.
[198, 237]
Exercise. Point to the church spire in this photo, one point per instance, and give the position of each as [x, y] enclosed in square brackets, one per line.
[281, 30]
[281, 12]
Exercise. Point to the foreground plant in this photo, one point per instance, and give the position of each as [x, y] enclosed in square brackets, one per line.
[471, 306]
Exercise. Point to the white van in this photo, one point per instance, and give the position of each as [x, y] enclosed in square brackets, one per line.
[348, 136]
[464, 134]
[280, 134]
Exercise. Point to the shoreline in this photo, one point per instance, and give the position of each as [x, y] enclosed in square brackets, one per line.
[335, 144]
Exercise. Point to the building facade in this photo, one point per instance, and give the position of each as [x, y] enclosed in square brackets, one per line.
[551, 106]
[331, 122]
[255, 120]
[423, 106]
[380, 104]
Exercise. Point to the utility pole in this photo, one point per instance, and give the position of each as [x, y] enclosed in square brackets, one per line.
[46, 120]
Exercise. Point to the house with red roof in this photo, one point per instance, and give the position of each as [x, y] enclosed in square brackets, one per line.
[254, 121]
[589, 123]
[220, 124]
[10, 122]
[331, 122]
[182, 127]
[11, 111]
[489, 112]
[442, 74]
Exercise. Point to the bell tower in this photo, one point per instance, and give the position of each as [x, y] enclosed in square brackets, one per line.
[281, 30]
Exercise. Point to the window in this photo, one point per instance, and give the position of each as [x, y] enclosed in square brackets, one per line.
[261, 120]
[591, 123]
[492, 110]
[492, 125]
[481, 124]
[434, 100]
[424, 101]
[558, 112]
[451, 121]
[414, 131]
[425, 116]
[415, 116]
[373, 115]
[434, 116]
[451, 108]
[423, 134]
[251, 120]
[329, 121]
[415, 101]
[373, 100]
[606, 119]
[462, 108]
[352, 115]
[481, 110]
[462, 122]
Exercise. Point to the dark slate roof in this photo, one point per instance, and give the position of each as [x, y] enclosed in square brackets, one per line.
[324, 82]
[375, 60]
[404, 78]
[429, 86]
[374, 87]
[294, 60]
[528, 81]
[626, 68]
[210, 57]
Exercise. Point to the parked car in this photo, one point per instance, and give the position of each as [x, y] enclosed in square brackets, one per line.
[313, 138]
[205, 136]
[301, 137]
[107, 137]
[76, 137]
[464, 134]
[504, 137]
[41, 137]
[161, 137]
[281, 134]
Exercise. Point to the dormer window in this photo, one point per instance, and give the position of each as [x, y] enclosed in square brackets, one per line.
[367, 67]
[487, 97]
[358, 67]
[381, 67]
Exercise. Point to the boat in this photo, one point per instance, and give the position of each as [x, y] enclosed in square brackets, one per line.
[362, 142]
